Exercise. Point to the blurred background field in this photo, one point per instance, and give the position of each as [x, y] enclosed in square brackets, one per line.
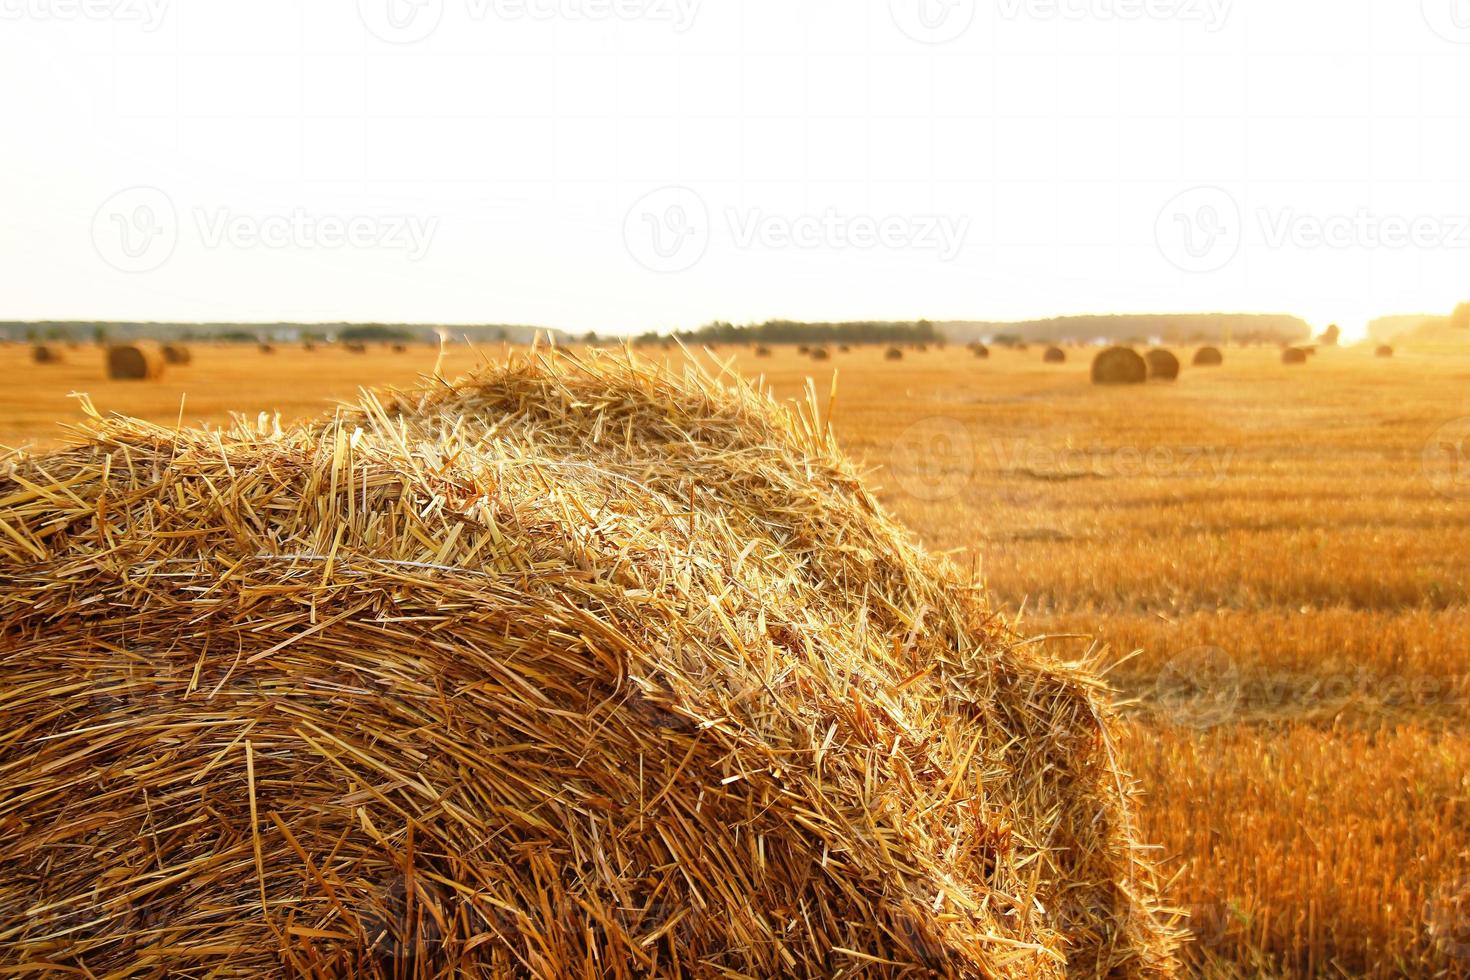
[1274, 559]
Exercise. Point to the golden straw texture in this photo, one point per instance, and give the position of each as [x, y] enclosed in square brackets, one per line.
[575, 667]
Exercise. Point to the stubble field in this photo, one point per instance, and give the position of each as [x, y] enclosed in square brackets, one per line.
[1274, 561]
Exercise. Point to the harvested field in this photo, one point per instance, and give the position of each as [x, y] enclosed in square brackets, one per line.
[1313, 800]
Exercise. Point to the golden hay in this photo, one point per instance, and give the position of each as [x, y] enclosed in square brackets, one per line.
[176, 354]
[1054, 355]
[893, 354]
[1119, 366]
[821, 354]
[573, 668]
[134, 362]
[980, 350]
[1294, 355]
[1162, 364]
[1383, 351]
[47, 354]
[1208, 357]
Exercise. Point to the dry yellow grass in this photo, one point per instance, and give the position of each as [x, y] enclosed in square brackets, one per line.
[1311, 789]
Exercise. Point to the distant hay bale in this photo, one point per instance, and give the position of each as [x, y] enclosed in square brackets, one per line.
[47, 354]
[921, 348]
[400, 348]
[1119, 366]
[134, 362]
[1208, 357]
[844, 349]
[355, 347]
[762, 351]
[1383, 351]
[1162, 364]
[980, 350]
[803, 349]
[545, 672]
[267, 348]
[308, 345]
[821, 354]
[176, 354]
[1054, 355]
[893, 354]
[1294, 355]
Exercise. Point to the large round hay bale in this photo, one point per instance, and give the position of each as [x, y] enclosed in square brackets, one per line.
[980, 350]
[821, 354]
[578, 699]
[893, 354]
[267, 348]
[803, 349]
[355, 347]
[176, 354]
[47, 354]
[1208, 357]
[1162, 364]
[1119, 366]
[1054, 355]
[1383, 351]
[762, 351]
[1294, 355]
[134, 362]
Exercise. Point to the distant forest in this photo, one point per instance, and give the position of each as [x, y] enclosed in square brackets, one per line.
[791, 332]
[82, 330]
[1180, 328]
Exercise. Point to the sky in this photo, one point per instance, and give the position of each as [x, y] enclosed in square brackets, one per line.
[627, 165]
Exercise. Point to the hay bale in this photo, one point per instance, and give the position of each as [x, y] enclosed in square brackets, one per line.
[1294, 355]
[400, 348]
[1162, 364]
[1383, 351]
[47, 354]
[893, 354]
[1054, 355]
[134, 362]
[762, 351]
[844, 349]
[821, 354]
[267, 348]
[1208, 357]
[980, 350]
[355, 347]
[1119, 366]
[177, 354]
[543, 672]
[803, 349]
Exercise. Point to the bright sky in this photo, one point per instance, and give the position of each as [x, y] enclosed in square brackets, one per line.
[622, 165]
